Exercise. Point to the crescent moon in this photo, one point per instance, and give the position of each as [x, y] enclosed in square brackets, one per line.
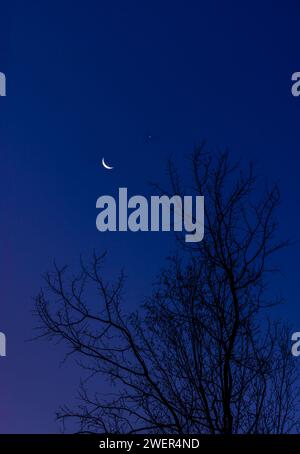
[105, 165]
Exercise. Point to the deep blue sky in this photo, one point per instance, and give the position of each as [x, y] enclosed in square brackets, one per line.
[92, 79]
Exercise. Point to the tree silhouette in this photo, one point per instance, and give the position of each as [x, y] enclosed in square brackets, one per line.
[201, 355]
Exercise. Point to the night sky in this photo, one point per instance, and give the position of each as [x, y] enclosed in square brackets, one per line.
[92, 79]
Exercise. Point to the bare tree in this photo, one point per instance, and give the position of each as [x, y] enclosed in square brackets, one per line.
[201, 355]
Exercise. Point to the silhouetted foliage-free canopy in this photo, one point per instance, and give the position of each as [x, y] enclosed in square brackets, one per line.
[201, 355]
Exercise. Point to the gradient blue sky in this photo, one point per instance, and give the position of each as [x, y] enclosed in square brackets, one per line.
[92, 79]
